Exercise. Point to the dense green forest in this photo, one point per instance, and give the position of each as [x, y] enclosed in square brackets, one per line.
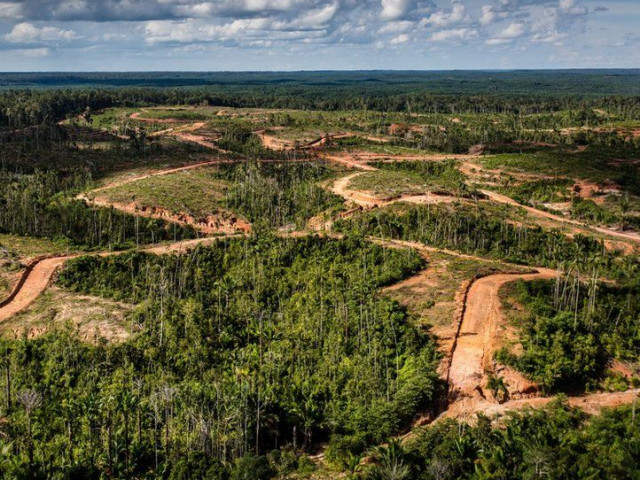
[279, 194]
[244, 347]
[556, 442]
[430, 92]
[571, 331]
[565, 82]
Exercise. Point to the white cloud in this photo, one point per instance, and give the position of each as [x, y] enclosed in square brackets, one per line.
[498, 41]
[242, 32]
[35, 52]
[549, 37]
[10, 10]
[27, 52]
[29, 33]
[489, 15]
[444, 18]
[512, 32]
[515, 30]
[400, 39]
[319, 16]
[454, 34]
[571, 7]
[396, 27]
[395, 9]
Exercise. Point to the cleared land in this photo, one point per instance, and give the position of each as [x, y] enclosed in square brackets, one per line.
[457, 295]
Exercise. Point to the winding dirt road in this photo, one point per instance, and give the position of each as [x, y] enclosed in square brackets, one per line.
[366, 200]
[37, 279]
[582, 228]
[31, 286]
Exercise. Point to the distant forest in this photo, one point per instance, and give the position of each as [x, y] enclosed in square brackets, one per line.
[517, 82]
[29, 99]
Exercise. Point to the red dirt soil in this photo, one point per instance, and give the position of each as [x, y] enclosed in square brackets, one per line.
[37, 280]
[472, 354]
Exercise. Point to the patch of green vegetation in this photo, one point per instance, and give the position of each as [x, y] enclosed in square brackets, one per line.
[441, 175]
[387, 184]
[279, 194]
[488, 231]
[590, 211]
[25, 246]
[198, 192]
[568, 335]
[112, 118]
[38, 205]
[596, 164]
[177, 113]
[557, 441]
[539, 191]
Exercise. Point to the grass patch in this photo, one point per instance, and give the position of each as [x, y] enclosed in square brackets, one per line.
[386, 184]
[196, 192]
[22, 246]
[540, 191]
[596, 164]
[92, 318]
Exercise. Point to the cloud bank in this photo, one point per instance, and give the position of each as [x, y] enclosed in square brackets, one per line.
[432, 29]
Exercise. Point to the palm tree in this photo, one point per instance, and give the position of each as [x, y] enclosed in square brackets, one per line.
[390, 463]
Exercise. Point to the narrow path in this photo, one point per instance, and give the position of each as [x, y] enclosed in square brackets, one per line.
[366, 200]
[340, 188]
[126, 181]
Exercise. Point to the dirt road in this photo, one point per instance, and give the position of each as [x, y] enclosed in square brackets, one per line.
[592, 404]
[366, 200]
[36, 280]
[478, 333]
[473, 350]
[340, 187]
[581, 227]
[30, 288]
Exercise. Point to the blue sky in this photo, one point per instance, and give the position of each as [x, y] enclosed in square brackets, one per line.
[82, 35]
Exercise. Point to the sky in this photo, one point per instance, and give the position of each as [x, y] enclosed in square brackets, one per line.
[278, 35]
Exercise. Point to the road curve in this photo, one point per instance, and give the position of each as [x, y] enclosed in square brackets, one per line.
[37, 279]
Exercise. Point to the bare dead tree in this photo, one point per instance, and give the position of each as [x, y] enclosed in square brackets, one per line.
[30, 399]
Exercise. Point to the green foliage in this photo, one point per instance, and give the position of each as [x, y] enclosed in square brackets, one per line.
[555, 442]
[479, 231]
[540, 191]
[243, 347]
[35, 205]
[441, 176]
[569, 333]
[242, 140]
[279, 194]
[590, 211]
